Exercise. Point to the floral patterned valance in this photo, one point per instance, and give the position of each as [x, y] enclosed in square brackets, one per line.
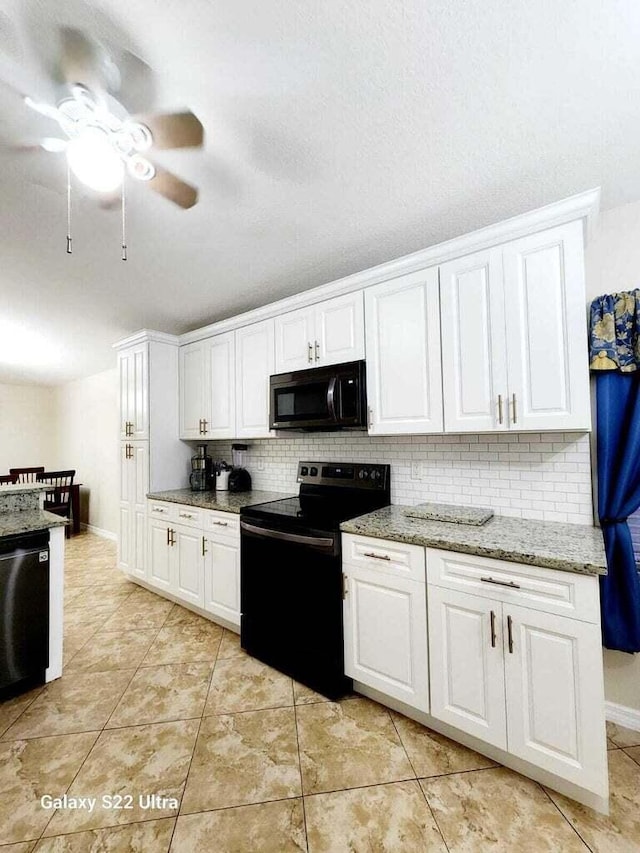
[614, 332]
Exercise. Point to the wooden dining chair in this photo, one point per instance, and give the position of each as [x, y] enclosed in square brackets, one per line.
[25, 475]
[6, 479]
[57, 499]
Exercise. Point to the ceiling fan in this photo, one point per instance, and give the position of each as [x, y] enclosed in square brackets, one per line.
[102, 142]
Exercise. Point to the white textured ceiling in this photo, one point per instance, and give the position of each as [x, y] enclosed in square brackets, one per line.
[340, 134]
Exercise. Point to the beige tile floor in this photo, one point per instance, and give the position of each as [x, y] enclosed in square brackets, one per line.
[155, 700]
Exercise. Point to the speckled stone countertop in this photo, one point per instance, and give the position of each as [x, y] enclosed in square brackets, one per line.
[223, 501]
[568, 547]
[25, 521]
[474, 515]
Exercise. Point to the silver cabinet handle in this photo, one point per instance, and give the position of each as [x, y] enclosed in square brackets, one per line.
[377, 556]
[510, 633]
[317, 351]
[204, 426]
[309, 353]
[515, 413]
[200, 426]
[222, 523]
[500, 418]
[168, 536]
[158, 509]
[493, 630]
[186, 515]
[510, 584]
[204, 546]
[345, 588]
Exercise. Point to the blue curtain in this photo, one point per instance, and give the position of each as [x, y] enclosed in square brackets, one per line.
[618, 422]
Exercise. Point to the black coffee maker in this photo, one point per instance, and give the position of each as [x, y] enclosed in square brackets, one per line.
[239, 478]
[201, 478]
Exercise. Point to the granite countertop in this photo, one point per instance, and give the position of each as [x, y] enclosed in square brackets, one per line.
[568, 547]
[25, 521]
[19, 488]
[223, 501]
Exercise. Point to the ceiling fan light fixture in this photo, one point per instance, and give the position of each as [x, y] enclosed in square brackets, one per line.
[140, 135]
[94, 161]
[141, 168]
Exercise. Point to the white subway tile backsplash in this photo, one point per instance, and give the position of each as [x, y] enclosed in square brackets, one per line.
[544, 476]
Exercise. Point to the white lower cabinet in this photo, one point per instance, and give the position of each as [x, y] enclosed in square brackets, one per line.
[134, 484]
[196, 561]
[467, 664]
[222, 577]
[385, 627]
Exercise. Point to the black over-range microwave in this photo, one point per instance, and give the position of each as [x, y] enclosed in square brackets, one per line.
[322, 398]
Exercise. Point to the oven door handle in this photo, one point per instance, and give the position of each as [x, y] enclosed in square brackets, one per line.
[313, 541]
[331, 398]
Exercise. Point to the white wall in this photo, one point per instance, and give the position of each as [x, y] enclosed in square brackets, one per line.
[613, 264]
[87, 422]
[28, 426]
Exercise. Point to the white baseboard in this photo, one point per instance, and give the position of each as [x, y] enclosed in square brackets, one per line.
[623, 715]
[99, 531]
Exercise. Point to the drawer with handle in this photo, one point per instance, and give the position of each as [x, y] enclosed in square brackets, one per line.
[189, 515]
[163, 510]
[222, 523]
[395, 558]
[551, 590]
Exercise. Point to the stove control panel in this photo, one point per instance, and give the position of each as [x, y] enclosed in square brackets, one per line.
[355, 475]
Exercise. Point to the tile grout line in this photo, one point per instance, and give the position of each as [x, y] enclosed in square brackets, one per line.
[431, 812]
[563, 815]
[302, 795]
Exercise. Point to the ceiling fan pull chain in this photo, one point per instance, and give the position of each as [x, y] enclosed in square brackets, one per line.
[69, 240]
[124, 232]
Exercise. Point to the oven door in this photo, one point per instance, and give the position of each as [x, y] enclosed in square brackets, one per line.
[291, 603]
[322, 398]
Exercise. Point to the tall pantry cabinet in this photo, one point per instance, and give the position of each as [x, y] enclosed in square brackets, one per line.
[151, 456]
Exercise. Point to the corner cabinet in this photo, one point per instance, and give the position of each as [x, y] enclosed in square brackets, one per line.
[330, 332]
[404, 378]
[514, 353]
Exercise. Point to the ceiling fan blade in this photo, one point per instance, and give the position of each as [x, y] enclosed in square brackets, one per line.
[174, 130]
[80, 60]
[171, 187]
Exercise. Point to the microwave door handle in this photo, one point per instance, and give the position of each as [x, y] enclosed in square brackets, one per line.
[331, 398]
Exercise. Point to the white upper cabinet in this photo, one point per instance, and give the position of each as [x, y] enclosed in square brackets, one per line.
[133, 369]
[474, 357]
[339, 329]
[514, 352]
[222, 386]
[330, 332]
[207, 388]
[546, 330]
[255, 362]
[404, 385]
[194, 405]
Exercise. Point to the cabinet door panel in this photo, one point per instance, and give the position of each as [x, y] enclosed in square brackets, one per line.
[386, 635]
[255, 362]
[139, 474]
[159, 555]
[139, 391]
[188, 565]
[194, 402]
[124, 378]
[467, 671]
[547, 330]
[125, 557]
[222, 579]
[473, 343]
[403, 355]
[555, 698]
[222, 386]
[294, 340]
[339, 329]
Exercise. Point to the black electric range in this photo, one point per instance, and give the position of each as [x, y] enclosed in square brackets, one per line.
[291, 571]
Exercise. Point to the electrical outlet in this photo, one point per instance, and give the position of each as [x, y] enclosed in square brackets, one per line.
[260, 463]
[416, 470]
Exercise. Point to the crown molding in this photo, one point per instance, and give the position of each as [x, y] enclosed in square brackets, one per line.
[584, 206]
[145, 336]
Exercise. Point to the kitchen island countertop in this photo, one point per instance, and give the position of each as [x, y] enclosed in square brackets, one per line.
[222, 501]
[553, 545]
[25, 521]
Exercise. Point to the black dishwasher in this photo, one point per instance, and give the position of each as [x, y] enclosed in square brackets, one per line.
[24, 611]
